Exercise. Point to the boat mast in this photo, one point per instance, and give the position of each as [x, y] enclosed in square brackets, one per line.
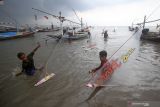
[144, 22]
[132, 24]
[81, 23]
[61, 22]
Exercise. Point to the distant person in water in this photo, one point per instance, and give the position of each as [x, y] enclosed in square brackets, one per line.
[106, 34]
[28, 62]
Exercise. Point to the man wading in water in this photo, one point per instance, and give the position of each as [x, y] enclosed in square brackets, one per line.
[27, 62]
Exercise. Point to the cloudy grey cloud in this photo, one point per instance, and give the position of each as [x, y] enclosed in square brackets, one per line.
[80, 5]
[21, 10]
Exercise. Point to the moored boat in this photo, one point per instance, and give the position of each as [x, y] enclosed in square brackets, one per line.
[15, 35]
[131, 28]
[78, 35]
[150, 36]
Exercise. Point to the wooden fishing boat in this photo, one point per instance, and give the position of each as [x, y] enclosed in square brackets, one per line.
[151, 36]
[131, 28]
[75, 36]
[15, 35]
[71, 34]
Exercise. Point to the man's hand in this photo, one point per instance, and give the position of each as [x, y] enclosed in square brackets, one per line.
[41, 68]
[36, 47]
[92, 71]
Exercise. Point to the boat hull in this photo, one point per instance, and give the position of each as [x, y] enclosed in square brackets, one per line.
[76, 36]
[151, 36]
[25, 34]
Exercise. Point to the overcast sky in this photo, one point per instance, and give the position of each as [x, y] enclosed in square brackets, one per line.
[93, 12]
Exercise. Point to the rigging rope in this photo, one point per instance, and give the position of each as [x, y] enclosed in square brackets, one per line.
[153, 12]
[49, 57]
[122, 45]
[150, 16]
[76, 15]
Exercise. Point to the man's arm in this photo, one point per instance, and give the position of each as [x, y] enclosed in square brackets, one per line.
[36, 48]
[19, 73]
[95, 69]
